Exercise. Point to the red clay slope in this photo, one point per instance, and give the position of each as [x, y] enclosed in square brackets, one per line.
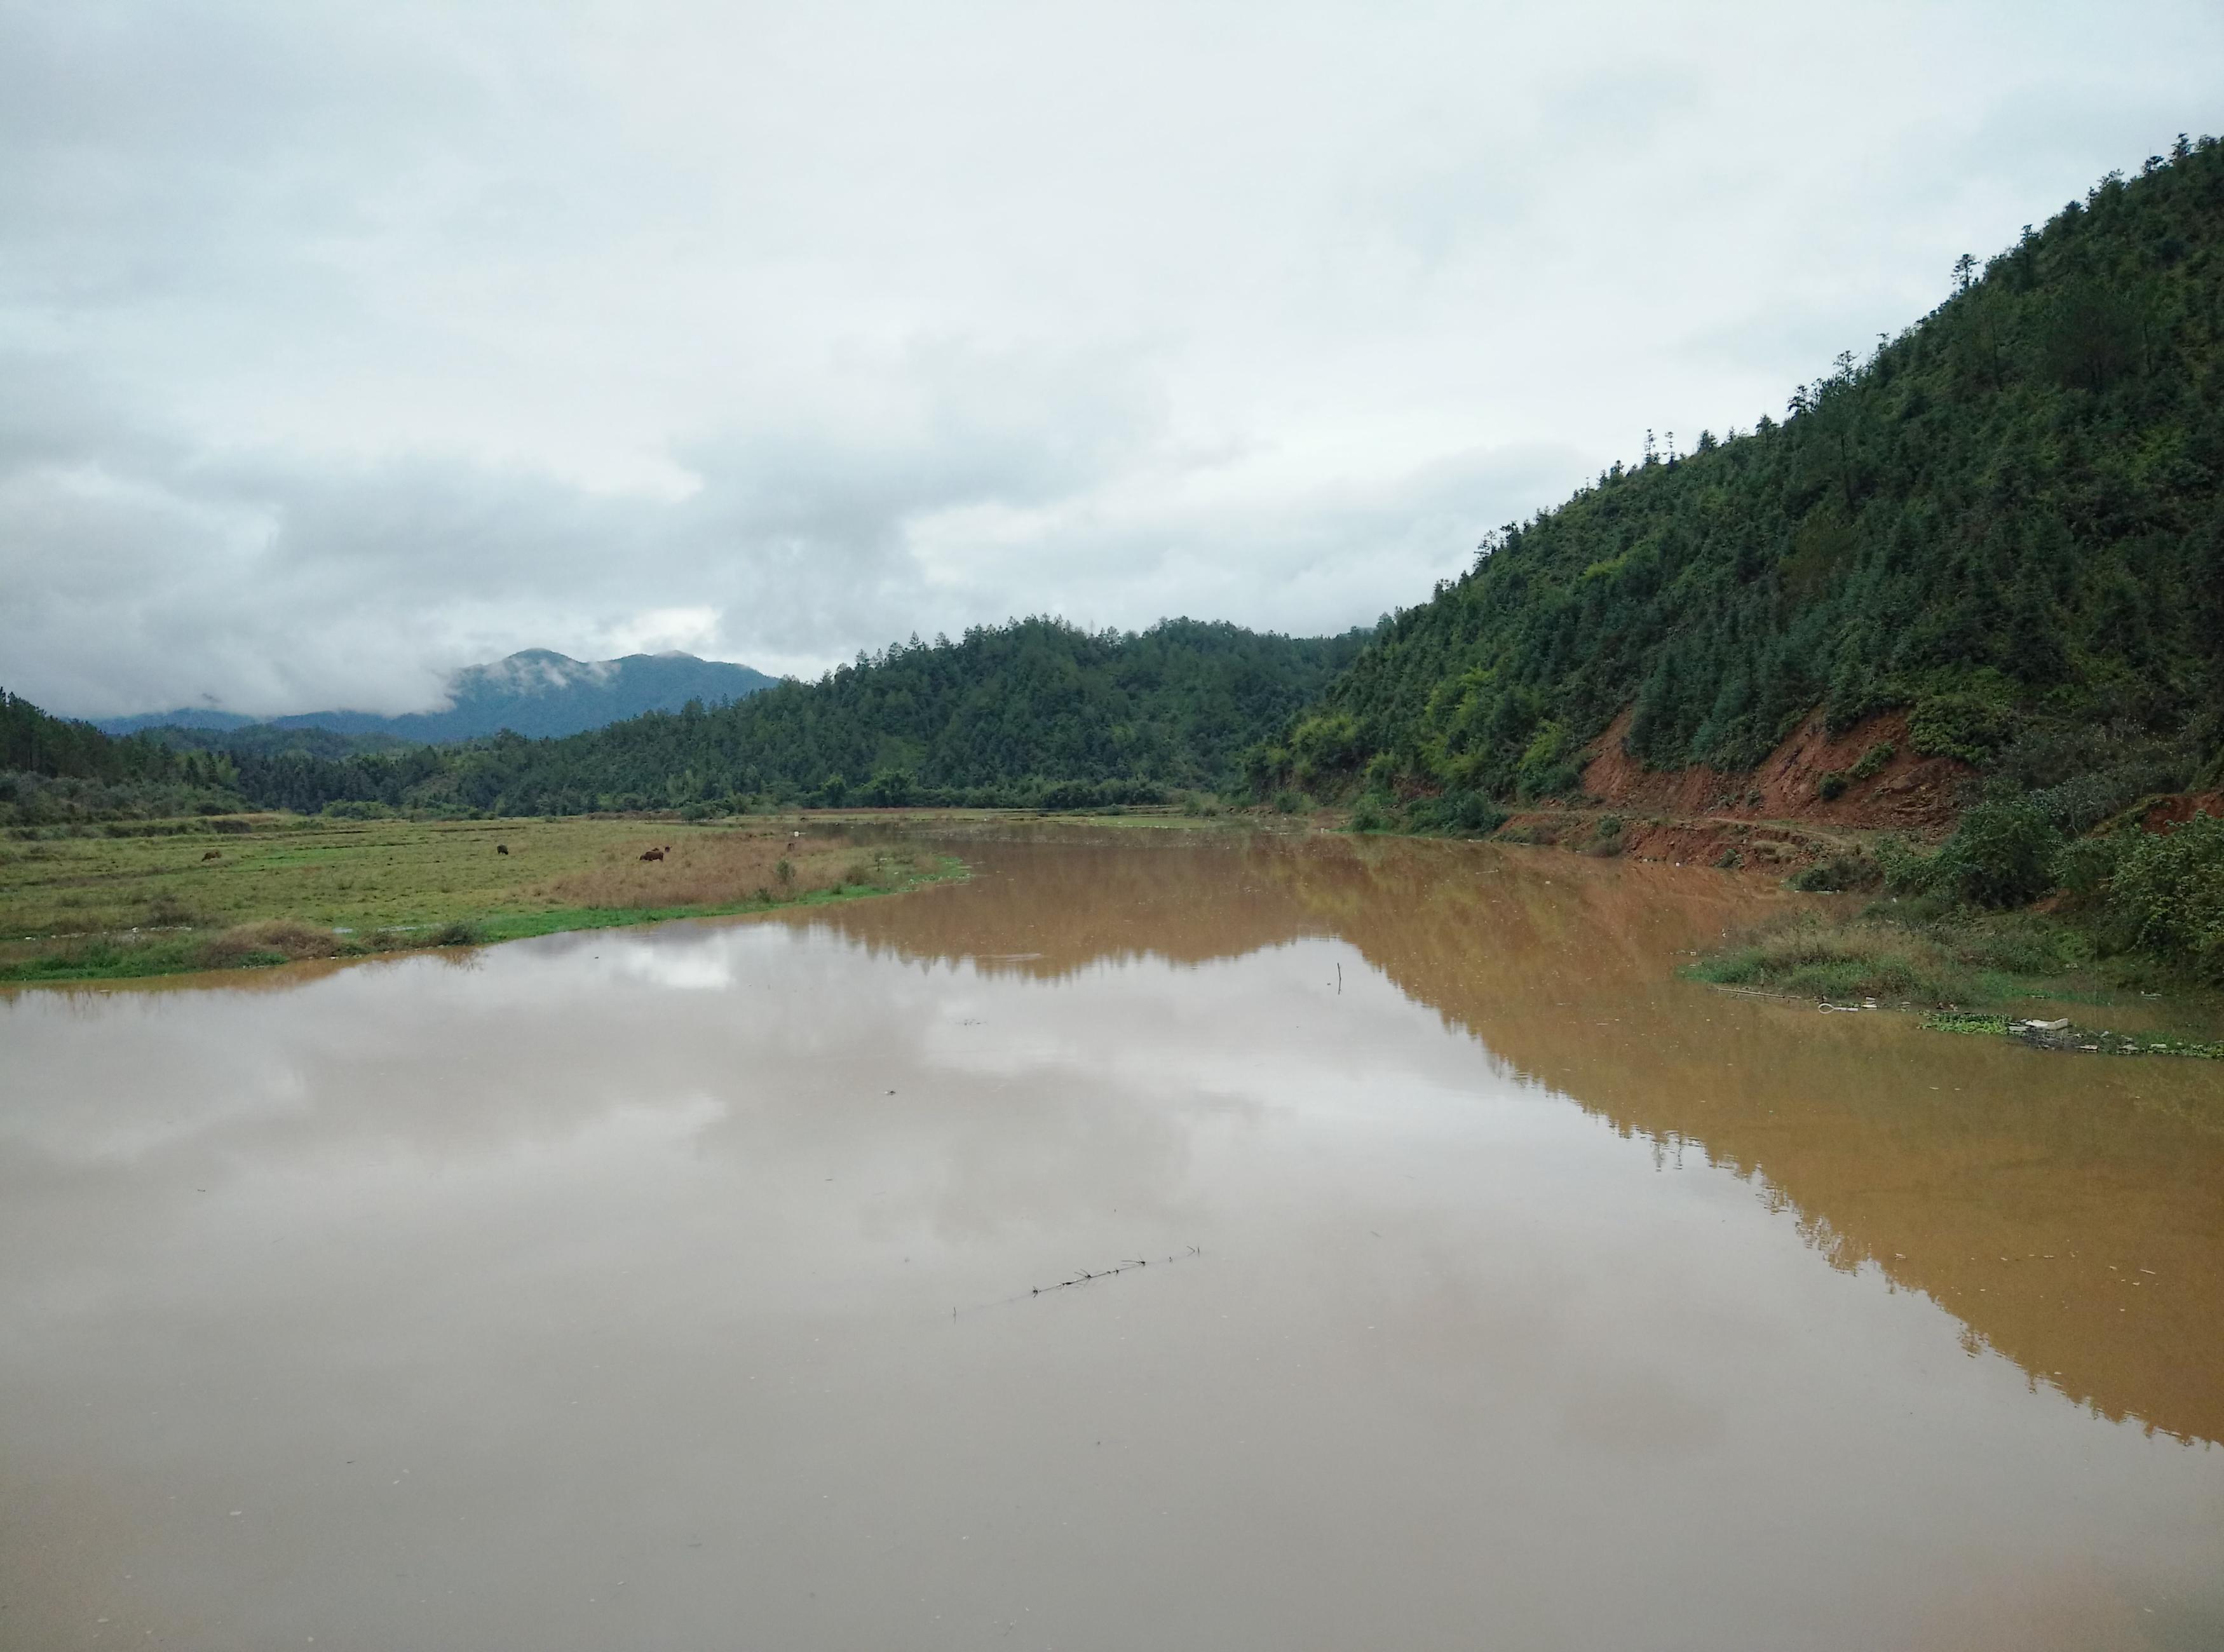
[1910, 793]
[2168, 814]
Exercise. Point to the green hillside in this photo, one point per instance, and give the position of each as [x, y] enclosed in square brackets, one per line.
[32, 741]
[2005, 520]
[54, 770]
[1034, 711]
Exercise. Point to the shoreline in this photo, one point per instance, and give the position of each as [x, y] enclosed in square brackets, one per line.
[1975, 967]
[1913, 953]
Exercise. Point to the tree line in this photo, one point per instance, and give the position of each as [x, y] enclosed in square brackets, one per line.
[54, 770]
[1032, 713]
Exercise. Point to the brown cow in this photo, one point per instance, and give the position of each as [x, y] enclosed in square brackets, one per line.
[213, 854]
[653, 855]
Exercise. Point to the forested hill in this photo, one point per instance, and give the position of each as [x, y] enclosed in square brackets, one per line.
[52, 769]
[2005, 520]
[35, 742]
[1030, 712]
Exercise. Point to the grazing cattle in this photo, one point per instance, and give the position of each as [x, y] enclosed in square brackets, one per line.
[213, 854]
[501, 848]
[653, 855]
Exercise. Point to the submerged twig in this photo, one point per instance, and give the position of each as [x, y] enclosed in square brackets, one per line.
[1088, 1275]
[1084, 1276]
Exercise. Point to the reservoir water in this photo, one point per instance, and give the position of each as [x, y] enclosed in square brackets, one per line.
[1458, 1277]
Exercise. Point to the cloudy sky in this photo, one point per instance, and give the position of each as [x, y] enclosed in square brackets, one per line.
[344, 344]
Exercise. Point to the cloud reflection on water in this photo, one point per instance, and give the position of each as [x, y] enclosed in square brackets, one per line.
[674, 1221]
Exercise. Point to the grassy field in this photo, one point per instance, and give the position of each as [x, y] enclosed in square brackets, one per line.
[268, 889]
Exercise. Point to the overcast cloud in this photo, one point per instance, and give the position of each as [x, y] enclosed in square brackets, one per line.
[344, 345]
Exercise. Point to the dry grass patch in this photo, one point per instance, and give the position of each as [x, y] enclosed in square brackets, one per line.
[275, 938]
[1908, 955]
[1853, 958]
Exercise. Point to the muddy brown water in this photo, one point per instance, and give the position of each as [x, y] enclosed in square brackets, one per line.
[674, 1288]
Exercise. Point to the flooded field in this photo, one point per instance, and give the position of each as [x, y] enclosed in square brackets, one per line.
[706, 1286]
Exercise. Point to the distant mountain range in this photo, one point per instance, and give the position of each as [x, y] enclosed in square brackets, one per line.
[536, 692]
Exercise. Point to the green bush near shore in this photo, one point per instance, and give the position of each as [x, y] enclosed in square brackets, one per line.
[1450, 814]
[2168, 888]
[2001, 854]
[2128, 890]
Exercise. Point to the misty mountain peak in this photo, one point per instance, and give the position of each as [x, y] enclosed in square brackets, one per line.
[534, 691]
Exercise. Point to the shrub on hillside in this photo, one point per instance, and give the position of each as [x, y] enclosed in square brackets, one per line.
[1547, 768]
[1475, 816]
[1322, 746]
[2001, 854]
[2171, 888]
[2084, 773]
[1968, 724]
[1872, 761]
[1849, 870]
[2084, 864]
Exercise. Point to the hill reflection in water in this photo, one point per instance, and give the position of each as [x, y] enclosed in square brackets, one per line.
[2070, 1213]
[655, 1287]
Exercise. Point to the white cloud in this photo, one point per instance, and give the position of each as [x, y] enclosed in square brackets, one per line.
[346, 345]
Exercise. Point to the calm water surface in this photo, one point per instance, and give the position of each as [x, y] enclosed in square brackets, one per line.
[674, 1288]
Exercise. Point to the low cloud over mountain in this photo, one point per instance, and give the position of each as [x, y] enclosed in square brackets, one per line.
[536, 692]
